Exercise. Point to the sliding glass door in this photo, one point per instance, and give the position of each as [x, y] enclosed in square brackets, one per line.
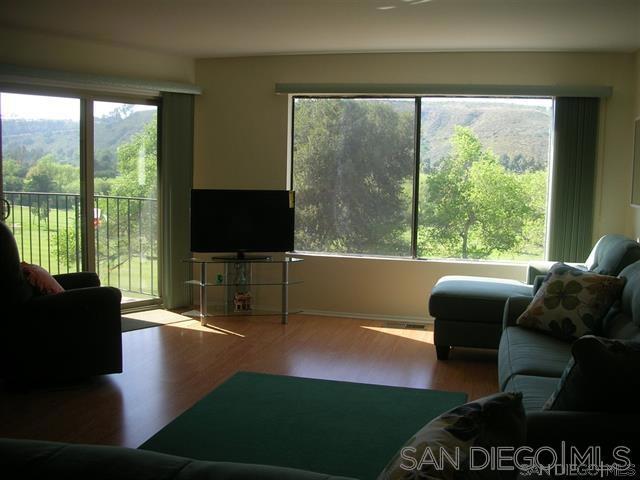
[125, 196]
[80, 178]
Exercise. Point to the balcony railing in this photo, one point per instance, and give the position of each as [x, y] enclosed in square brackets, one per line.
[47, 229]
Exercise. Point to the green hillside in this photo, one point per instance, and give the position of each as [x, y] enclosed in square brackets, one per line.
[517, 133]
[26, 141]
[510, 130]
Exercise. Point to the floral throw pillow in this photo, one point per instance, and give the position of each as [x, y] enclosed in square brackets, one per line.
[571, 302]
[451, 446]
[41, 280]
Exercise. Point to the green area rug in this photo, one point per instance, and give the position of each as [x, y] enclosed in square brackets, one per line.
[340, 428]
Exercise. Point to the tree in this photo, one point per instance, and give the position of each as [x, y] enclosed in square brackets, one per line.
[121, 112]
[102, 185]
[105, 164]
[138, 165]
[470, 205]
[534, 185]
[64, 247]
[13, 175]
[521, 164]
[351, 161]
[50, 176]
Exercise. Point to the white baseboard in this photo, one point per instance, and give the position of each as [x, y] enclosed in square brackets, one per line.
[370, 316]
[411, 319]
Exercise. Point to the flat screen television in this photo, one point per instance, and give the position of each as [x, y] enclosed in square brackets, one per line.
[242, 221]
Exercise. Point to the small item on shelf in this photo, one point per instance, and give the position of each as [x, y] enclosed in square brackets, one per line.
[242, 301]
[241, 273]
[219, 279]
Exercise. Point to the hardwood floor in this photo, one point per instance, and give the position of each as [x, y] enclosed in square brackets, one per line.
[169, 368]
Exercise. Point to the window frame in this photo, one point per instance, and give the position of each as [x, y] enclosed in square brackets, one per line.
[416, 169]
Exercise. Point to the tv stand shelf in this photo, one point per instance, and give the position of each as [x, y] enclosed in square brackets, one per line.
[237, 282]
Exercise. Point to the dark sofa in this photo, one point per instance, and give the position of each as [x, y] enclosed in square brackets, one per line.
[532, 362]
[33, 459]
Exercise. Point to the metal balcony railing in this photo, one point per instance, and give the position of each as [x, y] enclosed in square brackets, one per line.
[47, 230]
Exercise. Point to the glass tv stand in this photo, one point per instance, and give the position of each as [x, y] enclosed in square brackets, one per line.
[237, 280]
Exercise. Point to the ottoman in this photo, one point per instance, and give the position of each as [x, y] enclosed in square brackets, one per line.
[468, 311]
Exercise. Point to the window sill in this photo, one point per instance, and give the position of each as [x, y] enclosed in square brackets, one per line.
[503, 263]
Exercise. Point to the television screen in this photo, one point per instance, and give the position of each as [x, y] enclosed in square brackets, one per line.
[242, 220]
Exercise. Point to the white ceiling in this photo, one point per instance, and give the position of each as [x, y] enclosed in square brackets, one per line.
[209, 28]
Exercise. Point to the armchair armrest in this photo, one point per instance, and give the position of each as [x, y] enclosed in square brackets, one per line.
[536, 269]
[537, 283]
[513, 309]
[72, 281]
[80, 306]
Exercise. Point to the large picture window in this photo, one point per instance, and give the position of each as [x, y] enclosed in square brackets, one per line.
[427, 177]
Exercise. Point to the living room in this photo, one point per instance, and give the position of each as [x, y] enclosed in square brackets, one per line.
[235, 150]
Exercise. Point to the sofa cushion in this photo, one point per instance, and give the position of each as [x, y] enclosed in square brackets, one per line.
[623, 319]
[494, 421]
[618, 325]
[612, 253]
[630, 298]
[602, 376]
[535, 390]
[527, 352]
[571, 302]
[474, 299]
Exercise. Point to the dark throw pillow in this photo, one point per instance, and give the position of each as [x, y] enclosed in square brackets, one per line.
[571, 302]
[494, 421]
[601, 376]
[40, 279]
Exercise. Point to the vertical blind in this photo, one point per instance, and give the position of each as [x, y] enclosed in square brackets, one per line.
[176, 179]
[573, 178]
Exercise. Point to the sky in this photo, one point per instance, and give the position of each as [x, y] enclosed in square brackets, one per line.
[13, 105]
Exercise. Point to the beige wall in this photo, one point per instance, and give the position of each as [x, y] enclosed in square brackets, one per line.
[241, 142]
[38, 50]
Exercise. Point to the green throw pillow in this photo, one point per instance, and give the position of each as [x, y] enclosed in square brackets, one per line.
[601, 376]
[494, 421]
[571, 302]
